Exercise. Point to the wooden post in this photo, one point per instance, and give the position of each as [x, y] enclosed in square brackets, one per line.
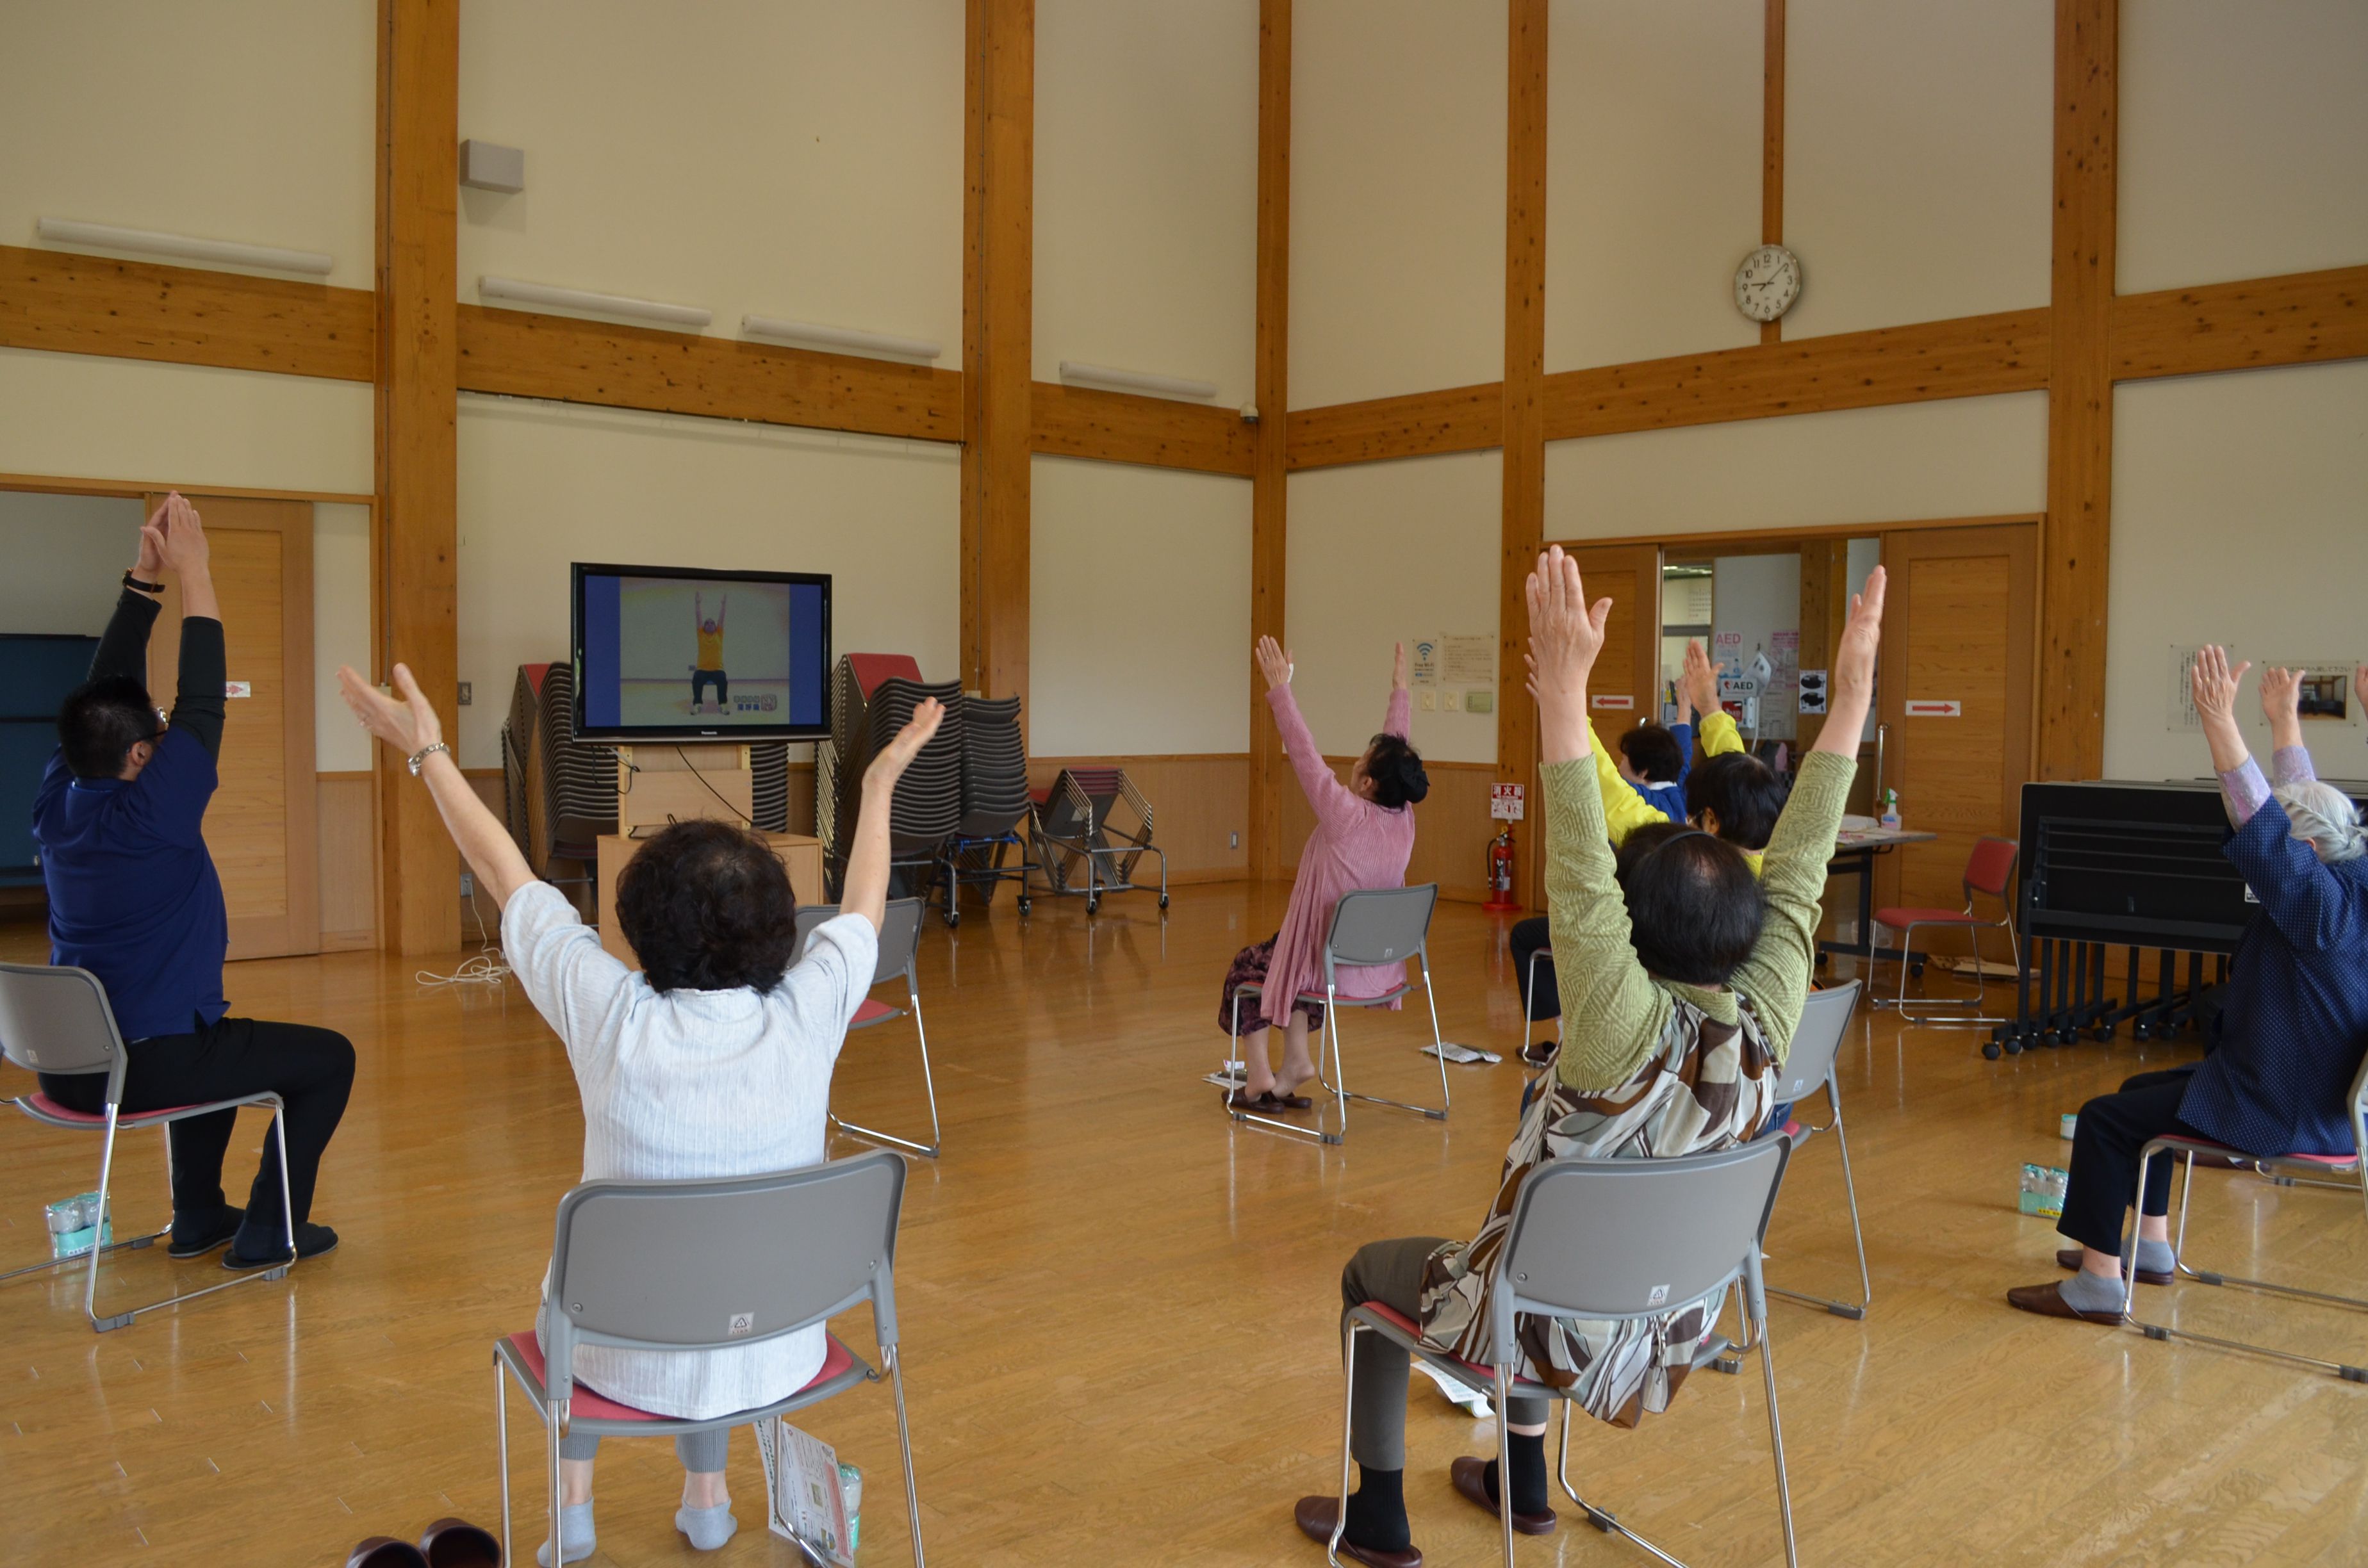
[999, 219]
[1524, 417]
[418, 181]
[1824, 606]
[1771, 147]
[2080, 395]
[1270, 380]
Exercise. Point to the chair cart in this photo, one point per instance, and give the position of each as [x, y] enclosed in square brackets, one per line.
[1087, 834]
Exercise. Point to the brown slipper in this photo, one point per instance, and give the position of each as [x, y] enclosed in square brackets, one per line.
[457, 1543]
[1471, 1479]
[1290, 1102]
[2048, 1301]
[385, 1552]
[1255, 1104]
[2069, 1258]
[1316, 1516]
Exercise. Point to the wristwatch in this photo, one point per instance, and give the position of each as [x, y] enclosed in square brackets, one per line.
[132, 582]
[419, 758]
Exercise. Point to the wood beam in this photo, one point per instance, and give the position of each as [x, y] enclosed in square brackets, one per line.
[998, 219]
[2299, 319]
[1771, 145]
[1415, 425]
[418, 154]
[1522, 422]
[1269, 478]
[1159, 432]
[68, 303]
[2080, 395]
[524, 354]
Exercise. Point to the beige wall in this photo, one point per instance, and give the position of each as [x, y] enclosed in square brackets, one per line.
[1397, 197]
[543, 484]
[1918, 172]
[2236, 519]
[253, 121]
[2241, 129]
[1653, 120]
[341, 630]
[798, 161]
[1968, 457]
[1147, 188]
[1139, 607]
[1382, 553]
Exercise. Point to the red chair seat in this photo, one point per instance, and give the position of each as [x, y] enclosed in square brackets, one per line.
[873, 1012]
[40, 1105]
[1900, 918]
[1487, 1375]
[585, 1406]
[2208, 1146]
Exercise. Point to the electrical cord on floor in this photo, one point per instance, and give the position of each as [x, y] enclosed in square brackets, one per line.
[488, 968]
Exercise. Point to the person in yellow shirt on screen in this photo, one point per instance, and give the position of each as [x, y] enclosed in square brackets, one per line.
[710, 655]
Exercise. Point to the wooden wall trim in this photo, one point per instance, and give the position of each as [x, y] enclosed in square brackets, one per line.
[1158, 432]
[1772, 145]
[2298, 319]
[136, 489]
[69, 303]
[1522, 529]
[524, 354]
[2072, 588]
[1269, 477]
[1765, 541]
[1412, 425]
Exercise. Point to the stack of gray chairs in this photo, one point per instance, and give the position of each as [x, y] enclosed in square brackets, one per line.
[993, 800]
[927, 805]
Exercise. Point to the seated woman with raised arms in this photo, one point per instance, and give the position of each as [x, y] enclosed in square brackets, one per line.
[713, 1061]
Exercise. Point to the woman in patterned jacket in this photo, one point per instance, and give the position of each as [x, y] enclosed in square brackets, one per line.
[1685, 976]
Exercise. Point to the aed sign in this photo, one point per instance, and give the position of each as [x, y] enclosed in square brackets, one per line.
[1505, 802]
[1619, 702]
[1932, 708]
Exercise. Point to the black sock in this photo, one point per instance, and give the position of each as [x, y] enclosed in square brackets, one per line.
[1529, 1473]
[1377, 1516]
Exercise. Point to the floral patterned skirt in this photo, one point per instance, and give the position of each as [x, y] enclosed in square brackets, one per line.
[1248, 968]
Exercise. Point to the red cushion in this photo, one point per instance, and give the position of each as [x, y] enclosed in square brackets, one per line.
[1898, 919]
[1398, 1319]
[585, 1406]
[2218, 1148]
[873, 1012]
[41, 1105]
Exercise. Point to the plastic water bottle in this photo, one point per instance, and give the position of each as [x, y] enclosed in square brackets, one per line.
[76, 1224]
[1891, 809]
[850, 1490]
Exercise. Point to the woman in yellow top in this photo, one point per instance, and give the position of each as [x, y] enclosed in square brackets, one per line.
[711, 653]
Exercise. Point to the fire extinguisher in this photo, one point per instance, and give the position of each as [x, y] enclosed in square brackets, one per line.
[1500, 870]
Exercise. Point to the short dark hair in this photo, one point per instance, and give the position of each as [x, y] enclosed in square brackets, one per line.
[1395, 768]
[708, 907]
[1694, 908]
[1654, 752]
[100, 721]
[1746, 793]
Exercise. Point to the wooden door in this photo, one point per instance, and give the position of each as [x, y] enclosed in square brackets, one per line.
[260, 826]
[1625, 690]
[1954, 696]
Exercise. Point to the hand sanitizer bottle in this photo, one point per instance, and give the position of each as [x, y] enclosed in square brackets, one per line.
[1891, 808]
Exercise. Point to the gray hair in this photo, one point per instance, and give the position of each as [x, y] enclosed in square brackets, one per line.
[2324, 817]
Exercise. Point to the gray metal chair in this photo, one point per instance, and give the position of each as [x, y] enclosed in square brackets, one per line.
[900, 945]
[687, 1265]
[1531, 1053]
[1608, 1239]
[1373, 926]
[58, 1021]
[2306, 1169]
[1808, 1067]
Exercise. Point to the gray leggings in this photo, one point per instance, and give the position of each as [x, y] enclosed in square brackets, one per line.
[701, 1452]
[1391, 1273]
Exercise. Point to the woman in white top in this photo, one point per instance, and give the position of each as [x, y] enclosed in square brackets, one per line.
[715, 1061]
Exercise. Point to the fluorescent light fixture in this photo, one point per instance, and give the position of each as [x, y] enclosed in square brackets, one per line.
[512, 289]
[223, 252]
[845, 339]
[1135, 382]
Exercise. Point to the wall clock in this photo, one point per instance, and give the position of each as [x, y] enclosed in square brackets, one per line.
[1766, 283]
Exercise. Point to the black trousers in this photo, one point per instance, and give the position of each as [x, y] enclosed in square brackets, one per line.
[1527, 937]
[311, 1070]
[702, 679]
[2105, 1144]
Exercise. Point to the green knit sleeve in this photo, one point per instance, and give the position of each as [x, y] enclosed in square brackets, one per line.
[1612, 1013]
[1793, 875]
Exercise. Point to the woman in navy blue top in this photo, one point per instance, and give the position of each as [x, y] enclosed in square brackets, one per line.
[2293, 1021]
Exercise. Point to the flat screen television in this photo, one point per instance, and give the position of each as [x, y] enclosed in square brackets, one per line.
[681, 654]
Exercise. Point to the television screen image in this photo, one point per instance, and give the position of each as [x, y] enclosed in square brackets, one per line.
[678, 652]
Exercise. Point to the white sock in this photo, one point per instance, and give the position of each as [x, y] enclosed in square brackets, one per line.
[575, 1529]
[708, 1527]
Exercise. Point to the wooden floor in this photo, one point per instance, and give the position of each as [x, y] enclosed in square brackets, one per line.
[1119, 1311]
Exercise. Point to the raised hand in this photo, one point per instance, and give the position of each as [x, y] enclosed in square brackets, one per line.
[1399, 670]
[1565, 632]
[151, 543]
[407, 724]
[181, 545]
[1862, 638]
[2213, 685]
[1699, 679]
[2360, 685]
[889, 764]
[2280, 694]
[1273, 662]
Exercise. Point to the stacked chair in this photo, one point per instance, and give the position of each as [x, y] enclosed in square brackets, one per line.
[559, 793]
[872, 696]
[993, 800]
[1087, 831]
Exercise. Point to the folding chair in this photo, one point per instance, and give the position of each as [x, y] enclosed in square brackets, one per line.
[1530, 1052]
[899, 944]
[684, 1266]
[1808, 1067]
[1989, 871]
[1606, 1239]
[1377, 925]
[58, 1021]
[2303, 1169]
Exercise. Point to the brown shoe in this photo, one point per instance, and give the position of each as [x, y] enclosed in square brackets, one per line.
[456, 1543]
[385, 1552]
[1316, 1516]
[2069, 1258]
[2048, 1301]
[1471, 1479]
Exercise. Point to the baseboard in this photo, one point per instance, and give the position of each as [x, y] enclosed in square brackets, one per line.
[349, 941]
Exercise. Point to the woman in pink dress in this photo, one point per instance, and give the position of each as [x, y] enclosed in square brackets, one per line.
[1363, 837]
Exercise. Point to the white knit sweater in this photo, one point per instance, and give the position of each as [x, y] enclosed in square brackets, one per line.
[693, 1085]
